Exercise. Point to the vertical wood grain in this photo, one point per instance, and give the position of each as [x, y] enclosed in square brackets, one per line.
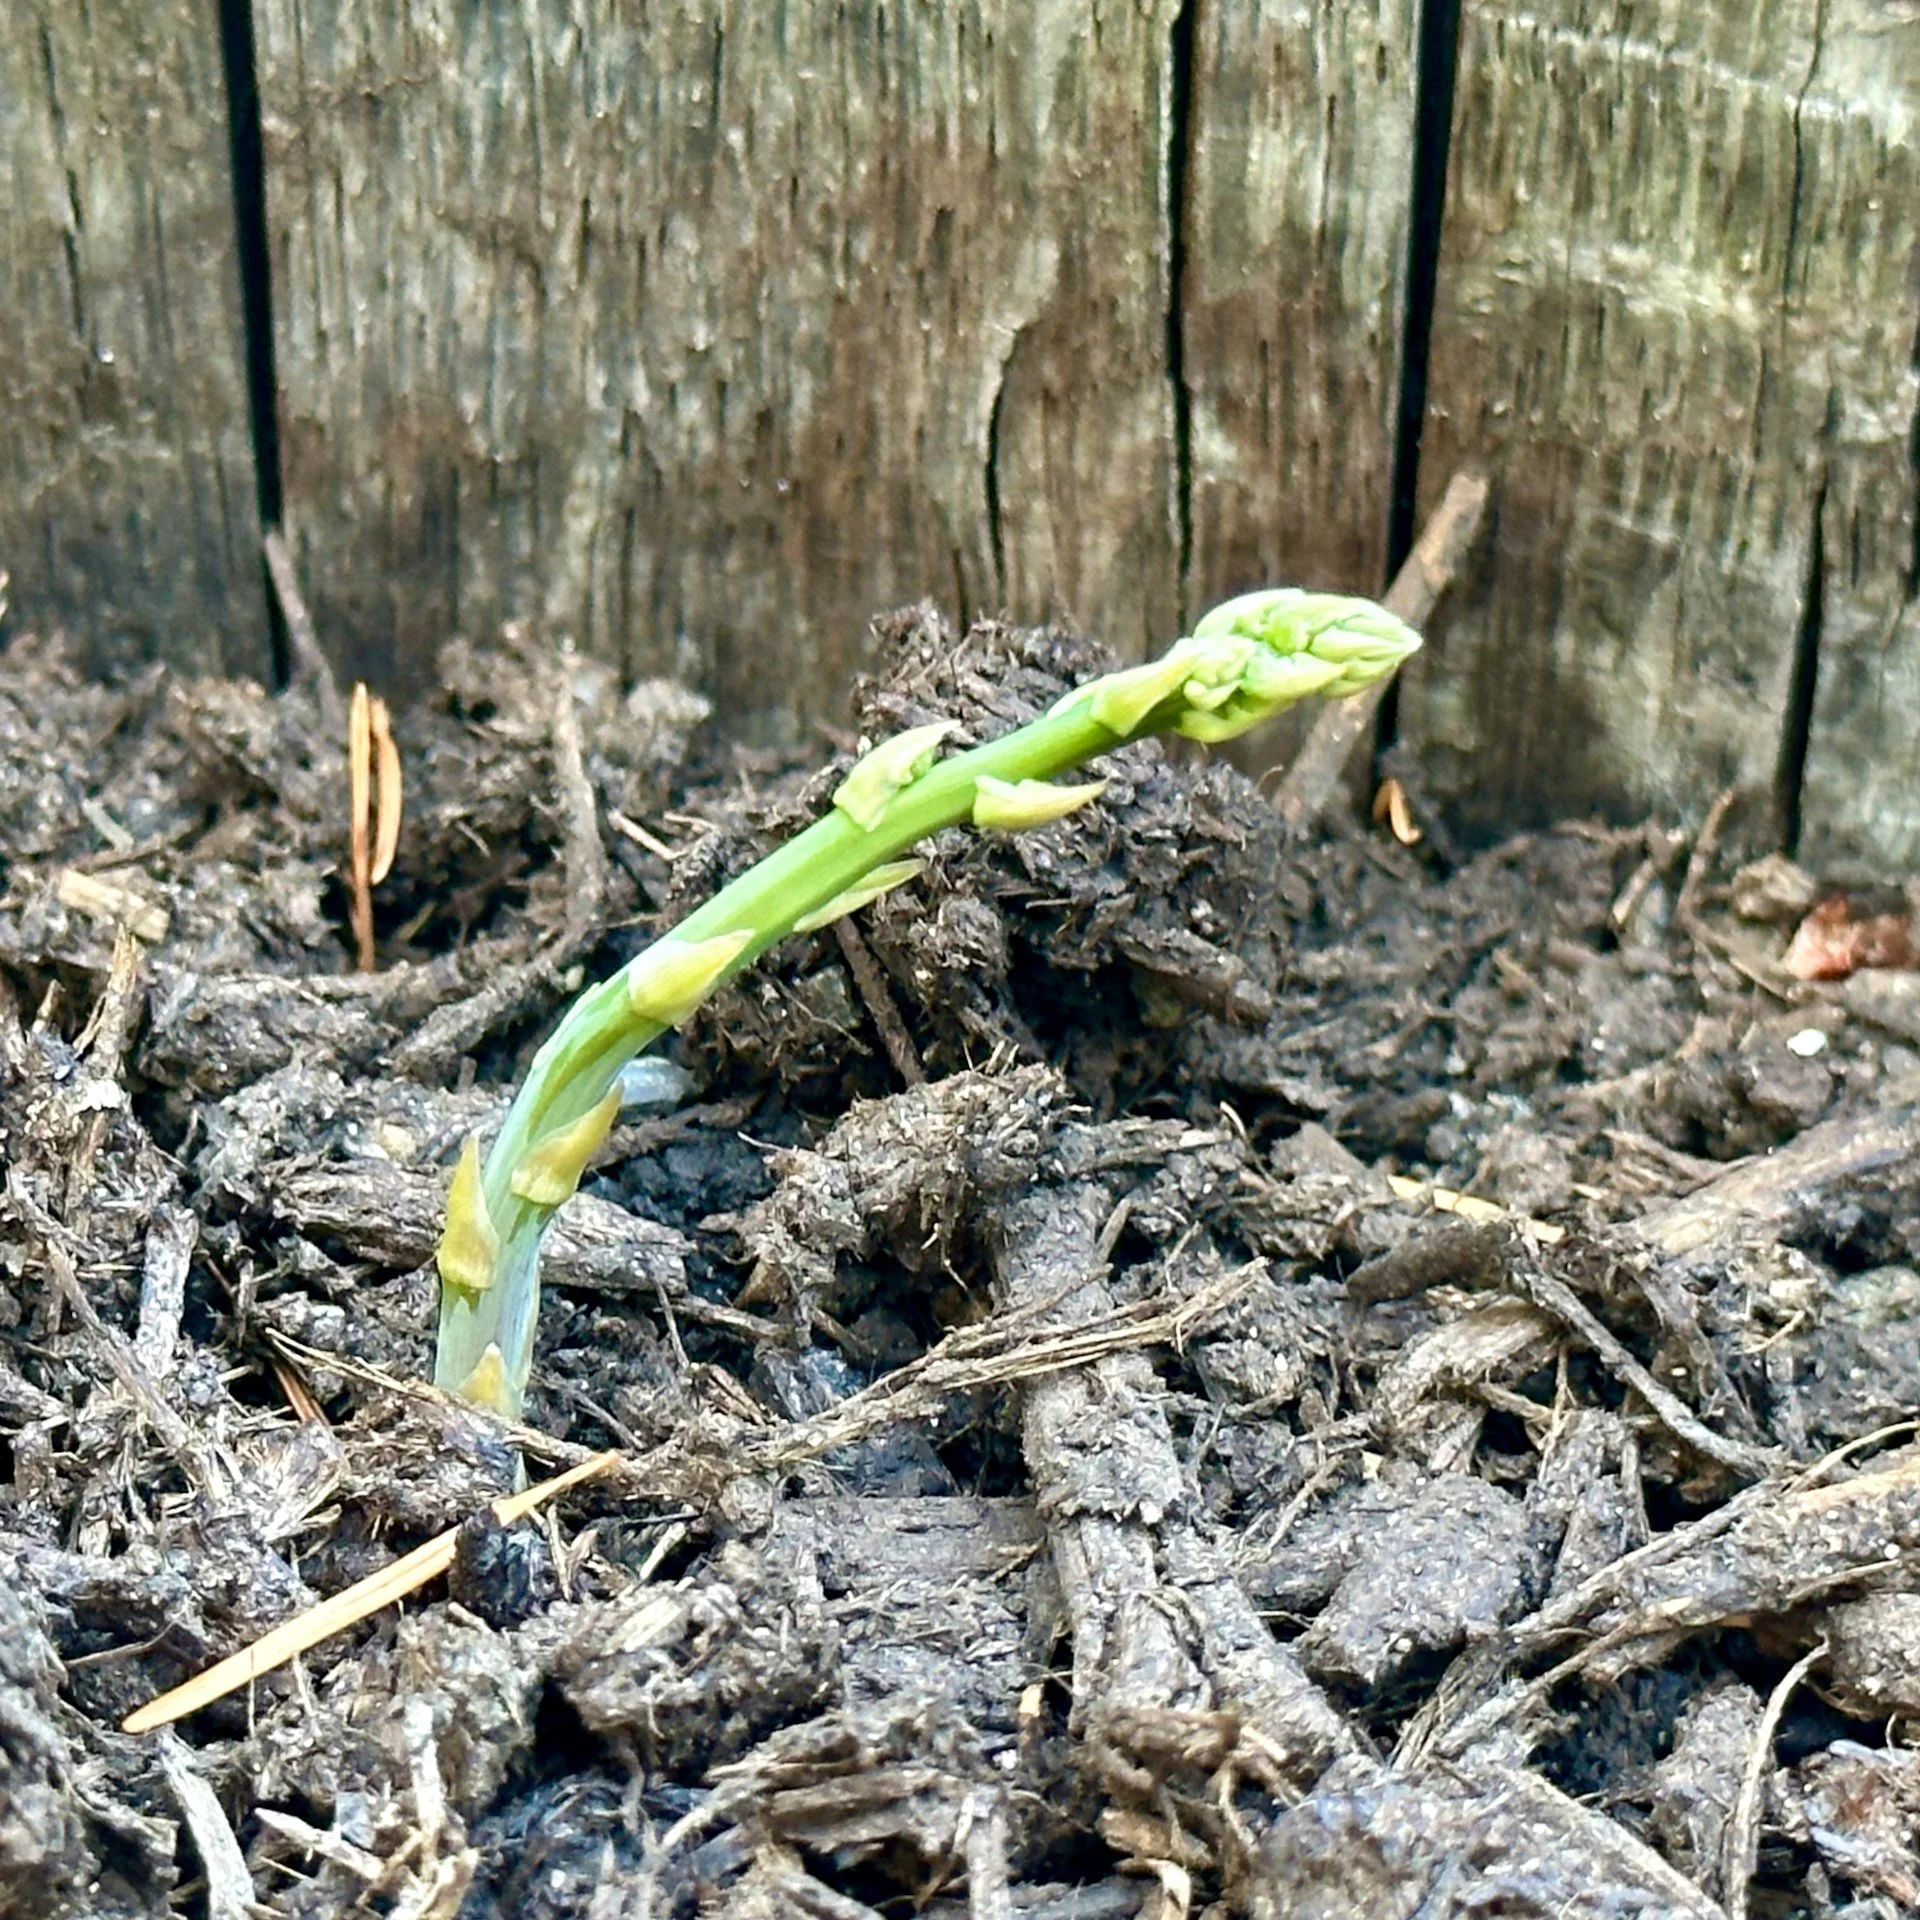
[1296, 251]
[127, 508]
[1293, 296]
[1667, 283]
[1859, 126]
[705, 333]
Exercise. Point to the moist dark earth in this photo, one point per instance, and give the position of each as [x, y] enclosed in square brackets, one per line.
[1069, 1465]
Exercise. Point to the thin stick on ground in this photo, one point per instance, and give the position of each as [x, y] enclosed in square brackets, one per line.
[1556, 1299]
[309, 662]
[1686, 909]
[1318, 768]
[880, 1005]
[586, 858]
[1470, 1207]
[347, 1608]
[1743, 1828]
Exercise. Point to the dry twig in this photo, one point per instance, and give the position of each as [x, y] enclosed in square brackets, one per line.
[1558, 1300]
[310, 666]
[585, 857]
[230, 1892]
[1437, 555]
[1686, 909]
[1470, 1207]
[82, 892]
[108, 1034]
[874, 991]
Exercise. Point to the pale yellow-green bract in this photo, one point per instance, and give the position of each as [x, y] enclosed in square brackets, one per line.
[1017, 806]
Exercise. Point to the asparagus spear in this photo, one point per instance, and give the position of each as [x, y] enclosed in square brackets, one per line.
[1246, 660]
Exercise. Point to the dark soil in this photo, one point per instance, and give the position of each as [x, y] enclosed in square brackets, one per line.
[1063, 1474]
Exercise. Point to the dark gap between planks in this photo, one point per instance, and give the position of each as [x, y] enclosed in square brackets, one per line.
[246, 148]
[1436, 61]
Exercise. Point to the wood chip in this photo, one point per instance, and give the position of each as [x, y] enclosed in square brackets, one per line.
[172, 1235]
[230, 1893]
[113, 901]
[1468, 1207]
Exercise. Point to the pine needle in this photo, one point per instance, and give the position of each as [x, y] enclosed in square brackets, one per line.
[346, 1608]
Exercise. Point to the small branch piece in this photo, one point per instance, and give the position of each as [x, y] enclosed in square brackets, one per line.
[1437, 556]
[108, 900]
[1743, 1829]
[310, 666]
[872, 984]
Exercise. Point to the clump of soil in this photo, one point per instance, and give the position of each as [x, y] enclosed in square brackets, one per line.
[1070, 1464]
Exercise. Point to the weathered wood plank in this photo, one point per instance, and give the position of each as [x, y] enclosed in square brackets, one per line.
[1860, 212]
[1656, 323]
[1293, 297]
[1294, 290]
[127, 507]
[704, 333]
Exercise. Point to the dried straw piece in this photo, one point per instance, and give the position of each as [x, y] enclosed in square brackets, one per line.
[345, 1609]
[1392, 805]
[386, 788]
[82, 892]
[1740, 1855]
[373, 804]
[359, 806]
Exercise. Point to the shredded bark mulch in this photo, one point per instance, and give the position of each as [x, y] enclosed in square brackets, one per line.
[1070, 1466]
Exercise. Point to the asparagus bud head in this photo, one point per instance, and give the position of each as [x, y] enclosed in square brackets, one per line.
[1246, 660]
[1255, 656]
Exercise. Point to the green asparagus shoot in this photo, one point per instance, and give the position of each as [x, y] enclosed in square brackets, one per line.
[1245, 661]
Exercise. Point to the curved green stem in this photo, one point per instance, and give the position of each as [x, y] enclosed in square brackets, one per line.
[1243, 662]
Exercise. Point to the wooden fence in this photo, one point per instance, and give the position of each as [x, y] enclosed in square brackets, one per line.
[702, 333]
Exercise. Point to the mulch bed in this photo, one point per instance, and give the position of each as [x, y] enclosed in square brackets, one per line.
[1063, 1473]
